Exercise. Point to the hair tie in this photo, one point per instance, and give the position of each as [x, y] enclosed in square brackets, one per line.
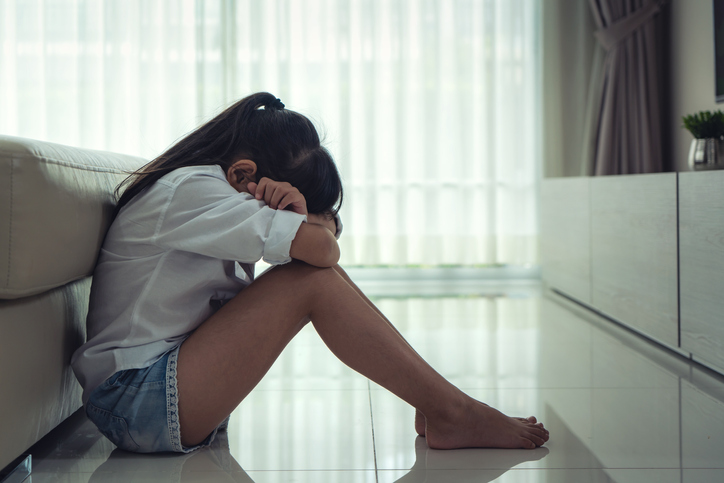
[277, 104]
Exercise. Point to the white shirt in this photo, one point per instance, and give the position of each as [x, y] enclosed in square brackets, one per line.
[168, 262]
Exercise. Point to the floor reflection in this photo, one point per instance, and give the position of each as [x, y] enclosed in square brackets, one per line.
[636, 405]
[620, 409]
[468, 464]
[214, 463]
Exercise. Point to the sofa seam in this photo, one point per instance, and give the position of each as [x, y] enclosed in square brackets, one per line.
[38, 289]
[58, 162]
[10, 224]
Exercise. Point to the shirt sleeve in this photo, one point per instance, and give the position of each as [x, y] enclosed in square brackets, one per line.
[205, 215]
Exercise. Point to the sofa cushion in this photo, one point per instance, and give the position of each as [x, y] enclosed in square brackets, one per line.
[38, 335]
[55, 206]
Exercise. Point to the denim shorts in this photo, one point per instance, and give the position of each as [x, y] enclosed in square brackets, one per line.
[137, 409]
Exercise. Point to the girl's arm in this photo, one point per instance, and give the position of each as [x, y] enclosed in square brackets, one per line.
[314, 242]
[316, 245]
[324, 220]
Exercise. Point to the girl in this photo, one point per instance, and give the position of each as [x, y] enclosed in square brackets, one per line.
[178, 330]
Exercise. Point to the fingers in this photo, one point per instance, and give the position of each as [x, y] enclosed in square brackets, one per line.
[285, 200]
[271, 191]
[294, 201]
[280, 191]
[261, 188]
[279, 195]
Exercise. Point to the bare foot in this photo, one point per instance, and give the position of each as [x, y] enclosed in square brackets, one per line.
[480, 426]
[420, 421]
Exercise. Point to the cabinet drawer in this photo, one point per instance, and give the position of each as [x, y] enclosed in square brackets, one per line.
[634, 252]
[701, 245]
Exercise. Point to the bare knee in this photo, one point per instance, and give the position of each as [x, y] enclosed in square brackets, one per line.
[303, 279]
[316, 283]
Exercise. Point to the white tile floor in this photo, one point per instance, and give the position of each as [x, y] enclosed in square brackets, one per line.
[619, 409]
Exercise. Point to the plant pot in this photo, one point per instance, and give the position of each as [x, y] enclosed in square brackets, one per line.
[706, 154]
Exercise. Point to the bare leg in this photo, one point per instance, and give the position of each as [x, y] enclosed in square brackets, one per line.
[420, 421]
[227, 356]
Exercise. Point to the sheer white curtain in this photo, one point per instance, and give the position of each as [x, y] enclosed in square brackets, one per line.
[431, 107]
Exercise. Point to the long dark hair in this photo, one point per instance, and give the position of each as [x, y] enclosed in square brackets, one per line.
[284, 145]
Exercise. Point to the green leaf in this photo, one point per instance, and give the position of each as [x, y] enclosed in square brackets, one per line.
[705, 124]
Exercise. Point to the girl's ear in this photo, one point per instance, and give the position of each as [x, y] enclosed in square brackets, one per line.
[241, 173]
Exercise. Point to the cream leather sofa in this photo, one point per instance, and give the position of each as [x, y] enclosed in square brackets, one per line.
[55, 206]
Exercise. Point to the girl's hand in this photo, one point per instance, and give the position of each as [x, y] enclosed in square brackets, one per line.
[278, 195]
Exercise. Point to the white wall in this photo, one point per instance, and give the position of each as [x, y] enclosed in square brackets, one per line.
[568, 46]
[692, 69]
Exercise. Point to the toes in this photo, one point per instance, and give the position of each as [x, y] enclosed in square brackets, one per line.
[539, 432]
[529, 419]
[535, 439]
[537, 428]
[527, 443]
[544, 437]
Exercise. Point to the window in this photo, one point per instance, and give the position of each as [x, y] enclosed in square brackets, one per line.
[431, 107]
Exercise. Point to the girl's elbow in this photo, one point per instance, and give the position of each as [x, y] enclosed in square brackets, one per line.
[333, 258]
[315, 245]
[328, 256]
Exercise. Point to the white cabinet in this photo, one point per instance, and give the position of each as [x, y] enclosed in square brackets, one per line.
[565, 254]
[701, 242]
[633, 252]
[646, 250]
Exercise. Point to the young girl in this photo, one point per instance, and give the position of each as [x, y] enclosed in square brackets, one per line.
[179, 332]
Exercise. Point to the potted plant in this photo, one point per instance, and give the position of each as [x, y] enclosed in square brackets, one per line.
[707, 149]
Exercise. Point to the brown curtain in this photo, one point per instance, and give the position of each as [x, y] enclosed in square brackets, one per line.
[626, 135]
